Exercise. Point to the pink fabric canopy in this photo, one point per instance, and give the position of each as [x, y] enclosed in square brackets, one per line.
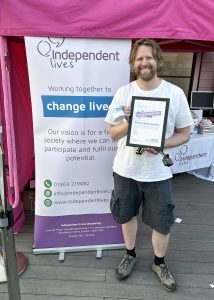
[16, 118]
[177, 19]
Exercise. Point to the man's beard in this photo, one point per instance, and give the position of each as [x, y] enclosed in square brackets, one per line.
[145, 76]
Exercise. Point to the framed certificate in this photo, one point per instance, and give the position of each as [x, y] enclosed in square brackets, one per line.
[147, 123]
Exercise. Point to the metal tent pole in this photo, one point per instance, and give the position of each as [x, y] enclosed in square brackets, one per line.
[6, 228]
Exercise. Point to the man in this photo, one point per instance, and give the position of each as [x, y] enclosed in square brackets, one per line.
[143, 179]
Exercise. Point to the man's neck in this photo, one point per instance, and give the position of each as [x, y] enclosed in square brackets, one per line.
[148, 85]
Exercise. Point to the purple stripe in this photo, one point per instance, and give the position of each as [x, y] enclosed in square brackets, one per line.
[76, 230]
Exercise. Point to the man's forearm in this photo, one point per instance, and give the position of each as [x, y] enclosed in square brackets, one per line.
[118, 131]
[178, 138]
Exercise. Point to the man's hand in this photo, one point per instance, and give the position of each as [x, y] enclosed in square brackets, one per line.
[151, 150]
[127, 112]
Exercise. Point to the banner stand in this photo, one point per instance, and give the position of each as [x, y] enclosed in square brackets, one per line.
[98, 248]
[73, 149]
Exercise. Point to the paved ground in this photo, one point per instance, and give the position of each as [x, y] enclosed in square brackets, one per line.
[83, 277]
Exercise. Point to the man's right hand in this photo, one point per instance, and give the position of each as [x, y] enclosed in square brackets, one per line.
[127, 111]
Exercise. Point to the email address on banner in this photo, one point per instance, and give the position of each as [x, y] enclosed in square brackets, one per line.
[81, 192]
[80, 201]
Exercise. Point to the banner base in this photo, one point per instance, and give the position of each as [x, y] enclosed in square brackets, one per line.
[63, 250]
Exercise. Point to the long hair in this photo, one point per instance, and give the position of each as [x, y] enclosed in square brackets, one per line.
[156, 51]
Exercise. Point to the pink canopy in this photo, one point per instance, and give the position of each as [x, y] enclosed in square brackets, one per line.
[177, 19]
[176, 25]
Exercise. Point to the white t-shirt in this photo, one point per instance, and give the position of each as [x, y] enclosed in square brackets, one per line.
[149, 167]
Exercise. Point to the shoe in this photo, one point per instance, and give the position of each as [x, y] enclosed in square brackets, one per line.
[166, 278]
[126, 267]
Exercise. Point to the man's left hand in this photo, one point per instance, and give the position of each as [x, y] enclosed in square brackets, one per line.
[151, 150]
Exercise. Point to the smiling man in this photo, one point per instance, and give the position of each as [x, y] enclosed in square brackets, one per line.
[143, 180]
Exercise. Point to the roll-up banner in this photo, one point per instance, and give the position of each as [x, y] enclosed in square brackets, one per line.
[72, 83]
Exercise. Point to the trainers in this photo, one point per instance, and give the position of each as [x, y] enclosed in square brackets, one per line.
[126, 267]
[166, 278]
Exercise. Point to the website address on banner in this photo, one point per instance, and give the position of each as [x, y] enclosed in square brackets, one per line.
[81, 192]
[80, 201]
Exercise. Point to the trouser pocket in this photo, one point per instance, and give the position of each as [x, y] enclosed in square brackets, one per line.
[114, 205]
